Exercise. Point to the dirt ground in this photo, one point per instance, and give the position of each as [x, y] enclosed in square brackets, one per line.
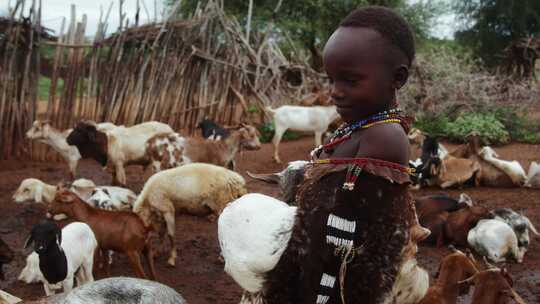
[199, 274]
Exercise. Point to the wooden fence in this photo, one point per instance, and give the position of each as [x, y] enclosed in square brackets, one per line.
[177, 72]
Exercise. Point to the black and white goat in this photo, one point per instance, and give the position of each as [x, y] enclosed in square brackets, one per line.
[211, 130]
[519, 223]
[62, 255]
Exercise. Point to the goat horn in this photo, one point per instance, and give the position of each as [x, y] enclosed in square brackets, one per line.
[468, 280]
[272, 178]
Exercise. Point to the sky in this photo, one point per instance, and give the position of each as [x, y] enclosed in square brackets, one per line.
[54, 10]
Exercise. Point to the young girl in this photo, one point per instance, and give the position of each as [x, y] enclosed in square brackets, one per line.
[355, 215]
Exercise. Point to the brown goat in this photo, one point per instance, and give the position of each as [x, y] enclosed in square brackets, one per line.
[453, 227]
[170, 150]
[492, 286]
[453, 268]
[119, 231]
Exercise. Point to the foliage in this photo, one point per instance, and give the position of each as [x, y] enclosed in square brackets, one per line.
[311, 22]
[491, 25]
[496, 126]
[45, 85]
[267, 133]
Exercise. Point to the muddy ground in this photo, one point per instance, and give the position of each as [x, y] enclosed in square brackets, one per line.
[199, 274]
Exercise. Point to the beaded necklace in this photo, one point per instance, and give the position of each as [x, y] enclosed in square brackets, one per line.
[344, 133]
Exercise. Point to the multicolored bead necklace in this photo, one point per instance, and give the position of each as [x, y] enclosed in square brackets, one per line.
[344, 133]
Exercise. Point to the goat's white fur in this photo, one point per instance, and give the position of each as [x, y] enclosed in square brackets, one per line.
[79, 244]
[496, 240]
[533, 176]
[315, 119]
[43, 132]
[512, 168]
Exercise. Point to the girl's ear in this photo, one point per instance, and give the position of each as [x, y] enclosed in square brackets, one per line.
[401, 74]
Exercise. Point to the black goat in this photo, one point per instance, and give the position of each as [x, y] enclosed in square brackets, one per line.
[211, 130]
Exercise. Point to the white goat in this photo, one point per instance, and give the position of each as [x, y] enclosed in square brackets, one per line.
[253, 233]
[314, 119]
[533, 176]
[78, 244]
[196, 188]
[118, 146]
[512, 168]
[33, 189]
[43, 132]
[495, 240]
[519, 223]
[112, 198]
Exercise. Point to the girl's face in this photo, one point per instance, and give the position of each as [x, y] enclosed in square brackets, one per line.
[361, 73]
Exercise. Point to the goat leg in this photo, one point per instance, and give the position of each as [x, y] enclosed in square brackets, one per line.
[135, 261]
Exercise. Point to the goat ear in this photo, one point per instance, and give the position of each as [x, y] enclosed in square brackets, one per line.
[106, 192]
[38, 195]
[28, 241]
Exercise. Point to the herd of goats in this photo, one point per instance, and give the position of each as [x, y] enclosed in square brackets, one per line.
[196, 176]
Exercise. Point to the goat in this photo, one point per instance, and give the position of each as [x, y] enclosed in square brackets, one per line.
[519, 223]
[253, 233]
[123, 290]
[171, 150]
[32, 189]
[288, 179]
[492, 286]
[120, 231]
[6, 256]
[495, 240]
[212, 131]
[43, 132]
[453, 268]
[314, 119]
[512, 168]
[453, 227]
[62, 254]
[196, 188]
[112, 198]
[117, 147]
[533, 176]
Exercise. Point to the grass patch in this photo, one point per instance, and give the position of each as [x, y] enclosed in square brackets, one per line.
[267, 133]
[45, 86]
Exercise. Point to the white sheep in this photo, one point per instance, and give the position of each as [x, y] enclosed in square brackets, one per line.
[496, 240]
[43, 132]
[70, 249]
[512, 168]
[298, 118]
[196, 188]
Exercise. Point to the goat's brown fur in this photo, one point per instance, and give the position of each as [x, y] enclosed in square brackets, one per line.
[120, 231]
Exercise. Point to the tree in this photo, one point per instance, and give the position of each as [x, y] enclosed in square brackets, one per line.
[489, 26]
[309, 23]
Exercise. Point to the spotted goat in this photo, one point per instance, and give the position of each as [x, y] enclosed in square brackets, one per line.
[170, 150]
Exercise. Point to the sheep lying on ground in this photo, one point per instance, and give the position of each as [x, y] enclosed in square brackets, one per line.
[196, 188]
[519, 223]
[533, 176]
[60, 255]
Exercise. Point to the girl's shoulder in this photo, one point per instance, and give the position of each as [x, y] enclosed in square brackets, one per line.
[387, 142]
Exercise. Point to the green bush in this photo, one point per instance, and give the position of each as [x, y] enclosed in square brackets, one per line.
[491, 130]
[496, 126]
[267, 133]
